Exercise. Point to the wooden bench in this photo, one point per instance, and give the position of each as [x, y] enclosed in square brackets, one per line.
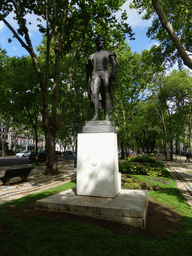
[12, 173]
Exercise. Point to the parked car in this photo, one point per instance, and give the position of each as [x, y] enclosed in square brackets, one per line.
[23, 154]
[41, 156]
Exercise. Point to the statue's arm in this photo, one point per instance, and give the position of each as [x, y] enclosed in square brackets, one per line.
[114, 65]
[89, 70]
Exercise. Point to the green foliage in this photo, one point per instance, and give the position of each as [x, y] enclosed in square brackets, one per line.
[145, 127]
[141, 159]
[174, 96]
[144, 182]
[165, 113]
[134, 74]
[69, 29]
[143, 165]
[20, 91]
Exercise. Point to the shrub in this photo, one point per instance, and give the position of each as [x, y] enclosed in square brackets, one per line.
[141, 165]
[141, 159]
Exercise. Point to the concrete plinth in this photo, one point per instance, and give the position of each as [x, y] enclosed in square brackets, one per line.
[99, 127]
[128, 207]
[98, 193]
[97, 165]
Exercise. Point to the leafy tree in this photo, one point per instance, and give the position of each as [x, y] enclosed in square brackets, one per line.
[172, 101]
[72, 26]
[134, 75]
[26, 95]
[145, 127]
[6, 104]
[178, 92]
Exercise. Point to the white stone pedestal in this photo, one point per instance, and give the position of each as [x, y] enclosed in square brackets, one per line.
[98, 193]
[97, 165]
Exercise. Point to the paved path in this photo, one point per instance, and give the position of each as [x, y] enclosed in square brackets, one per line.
[182, 173]
[37, 181]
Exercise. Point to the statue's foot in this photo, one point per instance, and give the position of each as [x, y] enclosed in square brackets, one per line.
[107, 118]
[95, 117]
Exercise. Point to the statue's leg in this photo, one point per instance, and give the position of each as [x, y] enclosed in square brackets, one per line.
[96, 87]
[106, 86]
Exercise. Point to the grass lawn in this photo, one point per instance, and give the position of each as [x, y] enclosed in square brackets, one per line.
[25, 231]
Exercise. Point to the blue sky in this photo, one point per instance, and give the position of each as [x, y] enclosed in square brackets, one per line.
[14, 48]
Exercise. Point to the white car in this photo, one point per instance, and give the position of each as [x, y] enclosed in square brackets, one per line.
[23, 154]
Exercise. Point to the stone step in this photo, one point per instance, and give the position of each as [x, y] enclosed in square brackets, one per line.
[128, 207]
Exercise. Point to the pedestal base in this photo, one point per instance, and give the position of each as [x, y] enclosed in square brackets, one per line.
[128, 207]
[97, 165]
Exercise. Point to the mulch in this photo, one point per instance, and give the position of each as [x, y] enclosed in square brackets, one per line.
[161, 219]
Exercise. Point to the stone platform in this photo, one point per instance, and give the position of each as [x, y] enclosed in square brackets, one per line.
[128, 207]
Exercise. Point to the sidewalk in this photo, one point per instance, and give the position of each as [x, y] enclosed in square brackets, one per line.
[36, 181]
[181, 171]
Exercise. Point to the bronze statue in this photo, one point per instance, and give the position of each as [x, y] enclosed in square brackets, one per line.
[99, 77]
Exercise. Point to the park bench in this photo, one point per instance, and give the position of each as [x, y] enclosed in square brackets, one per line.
[17, 172]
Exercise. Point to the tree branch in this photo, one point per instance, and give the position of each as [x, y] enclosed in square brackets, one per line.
[69, 83]
[166, 24]
[15, 33]
[64, 21]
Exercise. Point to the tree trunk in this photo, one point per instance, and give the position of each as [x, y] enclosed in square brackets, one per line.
[3, 148]
[167, 149]
[122, 148]
[4, 141]
[36, 147]
[51, 162]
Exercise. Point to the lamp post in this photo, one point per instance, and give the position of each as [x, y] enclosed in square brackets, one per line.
[76, 124]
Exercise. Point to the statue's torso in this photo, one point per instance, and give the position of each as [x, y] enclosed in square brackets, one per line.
[101, 60]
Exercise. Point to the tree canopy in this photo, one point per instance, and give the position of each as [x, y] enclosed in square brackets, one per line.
[70, 27]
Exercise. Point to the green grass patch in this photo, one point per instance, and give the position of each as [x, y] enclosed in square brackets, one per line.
[40, 195]
[56, 234]
[159, 183]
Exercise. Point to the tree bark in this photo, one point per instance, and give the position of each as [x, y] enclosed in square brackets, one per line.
[122, 148]
[3, 148]
[36, 145]
[51, 162]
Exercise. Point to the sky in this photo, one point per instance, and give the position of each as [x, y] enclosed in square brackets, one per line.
[14, 48]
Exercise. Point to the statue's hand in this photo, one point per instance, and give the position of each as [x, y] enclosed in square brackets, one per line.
[112, 76]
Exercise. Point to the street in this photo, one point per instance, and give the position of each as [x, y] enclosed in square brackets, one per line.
[12, 160]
